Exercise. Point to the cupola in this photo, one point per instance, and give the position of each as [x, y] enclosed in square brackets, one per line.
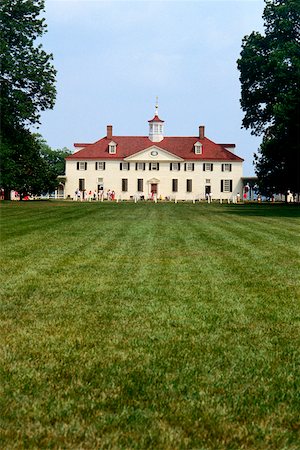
[156, 126]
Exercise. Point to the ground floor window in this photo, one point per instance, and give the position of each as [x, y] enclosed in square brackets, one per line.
[226, 185]
[189, 185]
[174, 185]
[140, 183]
[124, 184]
[81, 184]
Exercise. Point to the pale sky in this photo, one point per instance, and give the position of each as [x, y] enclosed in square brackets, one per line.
[114, 57]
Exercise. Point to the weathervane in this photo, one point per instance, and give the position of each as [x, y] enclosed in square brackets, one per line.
[156, 107]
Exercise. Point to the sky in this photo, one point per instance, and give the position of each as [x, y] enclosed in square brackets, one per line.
[113, 58]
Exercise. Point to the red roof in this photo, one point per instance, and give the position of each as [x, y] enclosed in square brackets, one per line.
[155, 119]
[179, 146]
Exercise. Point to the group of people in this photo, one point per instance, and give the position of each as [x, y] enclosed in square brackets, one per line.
[94, 195]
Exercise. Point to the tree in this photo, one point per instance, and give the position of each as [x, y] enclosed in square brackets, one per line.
[269, 68]
[22, 166]
[55, 158]
[27, 73]
[27, 88]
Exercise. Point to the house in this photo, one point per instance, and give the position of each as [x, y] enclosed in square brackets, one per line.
[159, 166]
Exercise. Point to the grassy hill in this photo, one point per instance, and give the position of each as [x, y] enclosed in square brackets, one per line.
[163, 326]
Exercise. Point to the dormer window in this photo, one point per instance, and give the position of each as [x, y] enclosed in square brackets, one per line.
[112, 148]
[198, 148]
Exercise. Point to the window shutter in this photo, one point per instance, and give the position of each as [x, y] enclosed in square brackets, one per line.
[203, 167]
[77, 165]
[136, 166]
[128, 166]
[211, 167]
[85, 165]
[229, 167]
[178, 166]
[104, 165]
[157, 166]
[222, 183]
[121, 168]
[171, 168]
[230, 185]
[149, 166]
[96, 165]
[184, 166]
[144, 166]
[222, 167]
[193, 167]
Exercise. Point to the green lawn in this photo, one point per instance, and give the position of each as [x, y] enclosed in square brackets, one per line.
[150, 326]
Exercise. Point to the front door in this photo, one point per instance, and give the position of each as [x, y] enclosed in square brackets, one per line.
[153, 188]
[207, 190]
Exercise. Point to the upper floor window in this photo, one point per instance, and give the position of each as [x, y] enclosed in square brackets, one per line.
[124, 166]
[112, 148]
[208, 167]
[189, 167]
[174, 166]
[81, 165]
[154, 166]
[100, 165]
[140, 166]
[226, 167]
[198, 148]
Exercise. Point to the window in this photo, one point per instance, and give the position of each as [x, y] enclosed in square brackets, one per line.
[226, 185]
[198, 148]
[208, 167]
[175, 166]
[207, 181]
[140, 183]
[189, 185]
[112, 148]
[81, 184]
[154, 166]
[174, 185]
[124, 166]
[226, 167]
[124, 184]
[100, 165]
[140, 166]
[189, 167]
[81, 165]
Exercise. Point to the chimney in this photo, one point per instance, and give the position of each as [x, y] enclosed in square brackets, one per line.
[201, 132]
[109, 132]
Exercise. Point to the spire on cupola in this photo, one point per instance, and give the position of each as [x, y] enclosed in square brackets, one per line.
[156, 126]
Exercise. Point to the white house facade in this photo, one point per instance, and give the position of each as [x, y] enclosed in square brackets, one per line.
[181, 168]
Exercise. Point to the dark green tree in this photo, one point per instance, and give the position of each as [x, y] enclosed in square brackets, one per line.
[269, 68]
[22, 167]
[54, 158]
[27, 88]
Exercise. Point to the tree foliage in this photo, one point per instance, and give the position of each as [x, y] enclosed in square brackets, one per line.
[270, 94]
[27, 88]
[55, 158]
[27, 73]
[22, 166]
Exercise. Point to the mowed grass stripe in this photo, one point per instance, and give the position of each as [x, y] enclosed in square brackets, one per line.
[150, 326]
